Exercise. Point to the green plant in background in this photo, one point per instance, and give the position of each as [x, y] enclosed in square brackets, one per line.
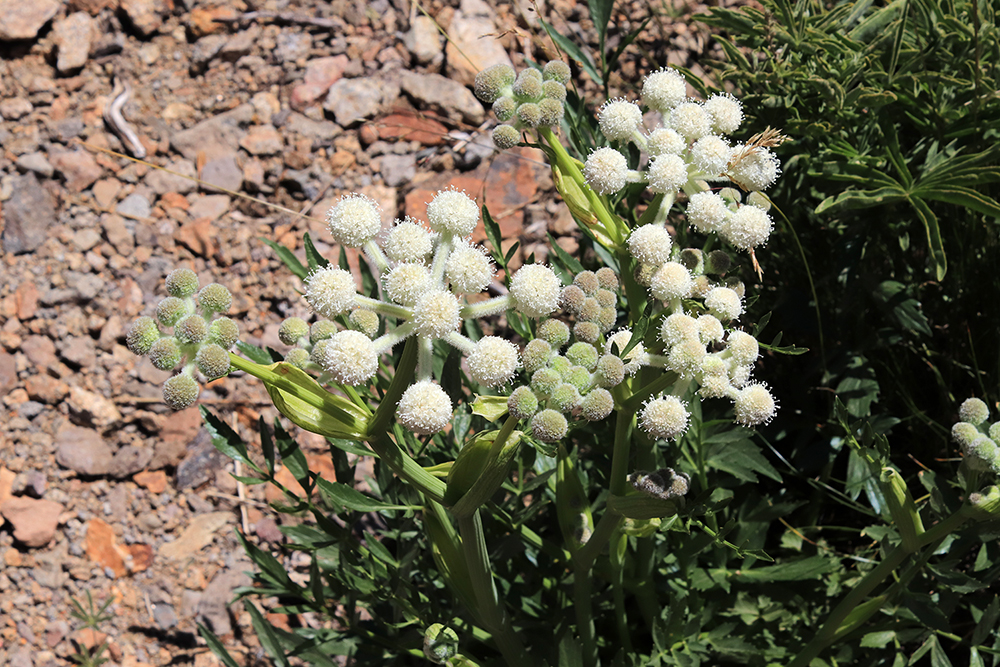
[566, 473]
[91, 617]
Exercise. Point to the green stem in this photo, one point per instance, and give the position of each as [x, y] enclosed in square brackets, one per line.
[605, 529]
[833, 629]
[490, 609]
[583, 608]
[620, 454]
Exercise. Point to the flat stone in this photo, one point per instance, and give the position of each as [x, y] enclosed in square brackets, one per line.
[83, 451]
[154, 481]
[26, 297]
[398, 170]
[135, 205]
[79, 351]
[352, 100]
[240, 44]
[8, 373]
[176, 431]
[117, 233]
[37, 163]
[73, 36]
[216, 137]
[292, 46]
[198, 534]
[129, 460]
[309, 128]
[85, 239]
[206, 48]
[101, 547]
[472, 42]
[182, 181]
[34, 521]
[78, 167]
[40, 350]
[198, 236]
[407, 127]
[144, 15]
[15, 108]
[213, 609]
[262, 140]
[28, 214]
[211, 207]
[223, 172]
[92, 409]
[92, 7]
[201, 464]
[433, 91]
[23, 20]
[321, 73]
[46, 389]
[423, 40]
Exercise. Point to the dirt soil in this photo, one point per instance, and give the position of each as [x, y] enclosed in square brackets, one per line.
[278, 108]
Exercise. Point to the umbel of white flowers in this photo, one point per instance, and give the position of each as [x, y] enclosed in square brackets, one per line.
[427, 277]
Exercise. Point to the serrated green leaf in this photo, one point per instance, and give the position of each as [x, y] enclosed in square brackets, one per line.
[600, 14]
[741, 459]
[987, 624]
[225, 439]
[860, 199]
[255, 354]
[570, 263]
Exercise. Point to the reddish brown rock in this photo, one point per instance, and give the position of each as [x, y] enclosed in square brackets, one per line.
[79, 168]
[34, 521]
[198, 236]
[409, 127]
[46, 389]
[101, 547]
[152, 481]
[321, 73]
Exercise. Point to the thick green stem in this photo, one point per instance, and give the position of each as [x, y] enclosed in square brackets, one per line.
[583, 608]
[490, 609]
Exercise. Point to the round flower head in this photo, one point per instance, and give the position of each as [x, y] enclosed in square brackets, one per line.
[406, 283]
[528, 85]
[535, 289]
[679, 327]
[553, 90]
[685, 357]
[223, 332]
[664, 141]
[973, 411]
[552, 111]
[141, 335]
[725, 111]
[322, 330]
[994, 432]
[588, 332]
[610, 371]
[192, 329]
[650, 244]
[714, 386]
[664, 89]
[330, 291]
[724, 303]
[619, 119]
[554, 332]
[740, 375]
[292, 329]
[214, 298]
[606, 298]
[545, 380]
[365, 321]
[597, 405]
[181, 283]
[453, 211]
[468, 270]
[667, 173]
[743, 347]
[556, 70]
[571, 298]
[711, 154]
[583, 354]
[536, 355]
[493, 81]
[170, 310]
[664, 418]
[980, 453]
[213, 361]
[590, 310]
[549, 426]
[636, 357]
[522, 403]
[424, 408]
[707, 212]
[436, 314]
[710, 329]
[504, 108]
[565, 397]
[354, 221]
[493, 362]
[757, 169]
[530, 114]
[297, 357]
[408, 242]
[964, 434]
[165, 353]
[606, 170]
[506, 136]
[754, 405]
[690, 121]
[748, 227]
[671, 281]
[350, 358]
[180, 391]
[607, 278]
[578, 376]
[587, 281]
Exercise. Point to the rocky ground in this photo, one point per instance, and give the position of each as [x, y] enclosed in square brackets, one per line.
[293, 103]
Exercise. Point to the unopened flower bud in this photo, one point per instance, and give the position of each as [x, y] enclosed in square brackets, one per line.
[553, 90]
[565, 397]
[545, 380]
[321, 330]
[522, 403]
[528, 86]
[552, 112]
[607, 279]
[424, 408]
[597, 405]
[606, 171]
[213, 361]
[504, 108]
[664, 418]
[165, 353]
[453, 211]
[610, 370]
[292, 329]
[506, 136]
[530, 114]
[536, 355]
[141, 335]
[973, 411]
[583, 354]
[590, 310]
[994, 432]
[606, 298]
[180, 391]
[556, 70]
[365, 321]
[192, 329]
[571, 298]
[181, 283]
[170, 310]
[588, 332]
[297, 357]
[214, 298]
[223, 332]
[493, 361]
[549, 426]
[493, 81]
[964, 434]
[555, 332]
[354, 221]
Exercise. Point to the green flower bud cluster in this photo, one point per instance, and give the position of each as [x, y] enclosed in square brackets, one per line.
[592, 300]
[199, 338]
[523, 101]
[309, 342]
[979, 440]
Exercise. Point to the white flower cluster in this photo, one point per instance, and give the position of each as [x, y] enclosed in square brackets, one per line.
[687, 152]
[426, 277]
[980, 442]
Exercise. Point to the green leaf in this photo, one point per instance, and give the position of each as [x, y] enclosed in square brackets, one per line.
[879, 639]
[572, 264]
[343, 496]
[741, 459]
[600, 14]
[961, 196]
[807, 568]
[255, 354]
[225, 439]
[860, 199]
[570, 48]
[215, 645]
[934, 242]
[288, 258]
[490, 407]
[641, 506]
[266, 444]
[313, 256]
[987, 624]
[265, 633]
